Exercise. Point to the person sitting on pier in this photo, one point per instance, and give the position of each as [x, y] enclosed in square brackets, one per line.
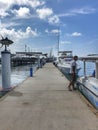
[73, 73]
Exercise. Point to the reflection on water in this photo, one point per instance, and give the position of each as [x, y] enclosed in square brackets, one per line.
[19, 74]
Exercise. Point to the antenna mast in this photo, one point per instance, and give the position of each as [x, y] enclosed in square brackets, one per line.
[58, 40]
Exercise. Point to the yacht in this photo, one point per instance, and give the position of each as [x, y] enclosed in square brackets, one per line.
[88, 85]
[64, 62]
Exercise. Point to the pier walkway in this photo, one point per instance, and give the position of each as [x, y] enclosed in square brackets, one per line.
[43, 102]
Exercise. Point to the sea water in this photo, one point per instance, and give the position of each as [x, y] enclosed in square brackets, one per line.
[19, 74]
[90, 67]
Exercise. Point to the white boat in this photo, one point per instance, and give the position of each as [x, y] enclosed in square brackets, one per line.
[65, 66]
[88, 85]
[64, 59]
[64, 62]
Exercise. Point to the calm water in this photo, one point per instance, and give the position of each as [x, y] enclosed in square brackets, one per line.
[90, 67]
[19, 74]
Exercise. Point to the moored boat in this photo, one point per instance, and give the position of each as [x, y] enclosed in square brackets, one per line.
[88, 85]
[64, 62]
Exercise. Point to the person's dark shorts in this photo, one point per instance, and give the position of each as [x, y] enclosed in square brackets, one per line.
[70, 77]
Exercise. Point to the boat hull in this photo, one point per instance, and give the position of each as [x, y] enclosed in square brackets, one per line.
[89, 91]
[66, 69]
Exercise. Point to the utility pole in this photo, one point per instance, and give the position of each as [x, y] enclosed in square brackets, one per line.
[25, 48]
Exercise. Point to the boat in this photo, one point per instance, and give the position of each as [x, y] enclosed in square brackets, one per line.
[64, 62]
[64, 59]
[88, 85]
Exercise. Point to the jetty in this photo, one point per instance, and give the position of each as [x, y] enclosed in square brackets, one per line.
[25, 58]
[43, 102]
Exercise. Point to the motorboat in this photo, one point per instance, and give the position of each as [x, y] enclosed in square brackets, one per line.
[88, 85]
[65, 66]
[64, 62]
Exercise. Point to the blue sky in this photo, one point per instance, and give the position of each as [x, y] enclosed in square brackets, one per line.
[37, 23]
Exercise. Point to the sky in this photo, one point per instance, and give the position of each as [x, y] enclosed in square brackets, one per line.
[43, 25]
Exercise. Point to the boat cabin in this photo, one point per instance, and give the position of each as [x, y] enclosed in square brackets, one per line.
[90, 59]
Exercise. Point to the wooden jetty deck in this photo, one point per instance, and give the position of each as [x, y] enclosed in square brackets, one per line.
[43, 102]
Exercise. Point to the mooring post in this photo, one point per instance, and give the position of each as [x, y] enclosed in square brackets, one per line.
[6, 69]
[31, 72]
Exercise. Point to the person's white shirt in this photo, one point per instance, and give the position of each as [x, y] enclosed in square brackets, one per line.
[73, 63]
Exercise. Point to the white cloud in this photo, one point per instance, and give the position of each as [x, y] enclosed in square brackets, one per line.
[3, 13]
[23, 12]
[65, 42]
[36, 3]
[54, 19]
[32, 3]
[48, 14]
[8, 24]
[46, 31]
[74, 34]
[54, 31]
[74, 12]
[83, 10]
[5, 5]
[44, 13]
[18, 35]
[66, 14]
[31, 33]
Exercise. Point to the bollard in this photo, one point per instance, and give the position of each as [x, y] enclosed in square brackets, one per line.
[31, 72]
